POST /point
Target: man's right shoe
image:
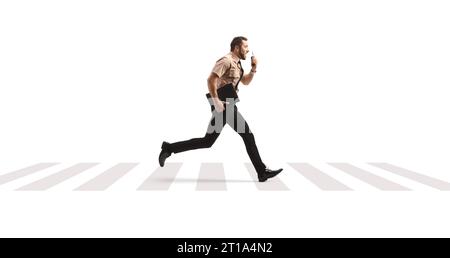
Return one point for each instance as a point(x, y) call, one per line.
point(165, 153)
point(268, 173)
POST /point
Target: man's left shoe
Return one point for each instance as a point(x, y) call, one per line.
point(165, 153)
point(268, 173)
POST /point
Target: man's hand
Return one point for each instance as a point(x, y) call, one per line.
point(254, 63)
point(218, 104)
point(247, 78)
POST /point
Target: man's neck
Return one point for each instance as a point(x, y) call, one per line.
point(235, 57)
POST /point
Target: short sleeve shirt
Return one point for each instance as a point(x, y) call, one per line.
point(228, 69)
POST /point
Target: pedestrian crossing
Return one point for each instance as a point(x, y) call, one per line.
point(370, 178)
point(88, 176)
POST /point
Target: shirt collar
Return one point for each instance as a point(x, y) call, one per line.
point(235, 58)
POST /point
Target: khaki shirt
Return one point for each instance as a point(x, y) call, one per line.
point(228, 70)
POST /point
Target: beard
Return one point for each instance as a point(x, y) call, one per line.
point(242, 55)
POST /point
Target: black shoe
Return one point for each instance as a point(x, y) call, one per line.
point(165, 153)
point(268, 173)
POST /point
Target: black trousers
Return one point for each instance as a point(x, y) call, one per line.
point(235, 120)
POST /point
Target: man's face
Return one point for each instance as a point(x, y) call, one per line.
point(243, 50)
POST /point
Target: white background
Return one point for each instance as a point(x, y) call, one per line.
point(108, 81)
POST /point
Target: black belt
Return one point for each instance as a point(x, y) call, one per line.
point(226, 92)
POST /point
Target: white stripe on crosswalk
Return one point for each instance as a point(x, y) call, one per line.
point(106, 179)
point(424, 179)
point(162, 178)
point(372, 179)
point(319, 178)
point(211, 177)
point(24, 172)
point(56, 178)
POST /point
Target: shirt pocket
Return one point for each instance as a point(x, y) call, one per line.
point(234, 72)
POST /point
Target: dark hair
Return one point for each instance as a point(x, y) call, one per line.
point(237, 41)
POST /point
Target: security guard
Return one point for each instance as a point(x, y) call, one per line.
point(223, 88)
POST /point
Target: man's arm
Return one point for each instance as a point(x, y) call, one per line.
point(212, 87)
point(212, 84)
point(246, 79)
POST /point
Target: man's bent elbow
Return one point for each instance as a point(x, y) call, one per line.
point(212, 79)
point(245, 81)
